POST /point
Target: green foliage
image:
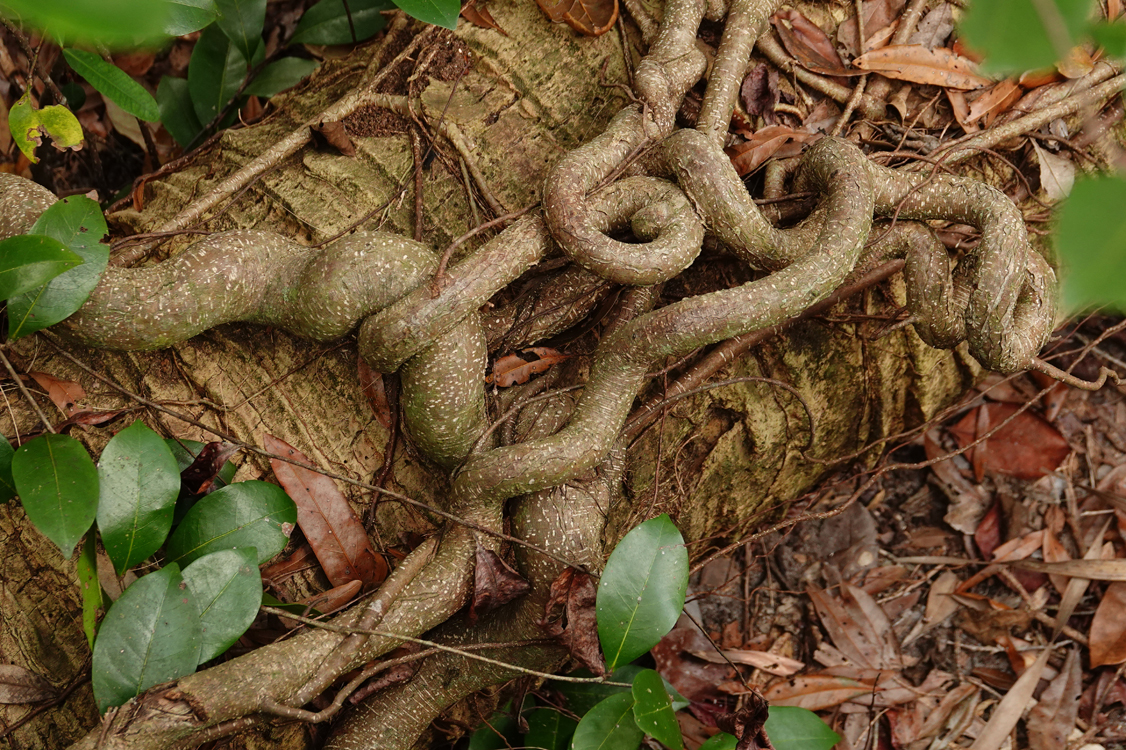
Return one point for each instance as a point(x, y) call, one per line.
point(186, 16)
point(280, 75)
point(793, 728)
point(642, 590)
point(31, 260)
point(327, 22)
point(95, 21)
point(1024, 35)
point(548, 729)
point(58, 485)
point(77, 223)
point(177, 112)
point(114, 84)
point(652, 709)
point(245, 514)
point(29, 125)
point(242, 22)
point(7, 484)
point(139, 484)
point(90, 588)
point(442, 13)
point(609, 726)
point(227, 587)
point(151, 634)
point(215, 73)
point(1092, 240)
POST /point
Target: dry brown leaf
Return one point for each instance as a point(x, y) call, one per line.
point(782, 666)
point(912, 62)
point(880, 19)
point(1019, 548)
point(20, 685)
point(1091, 570)
point(940, 605)
point(957, 705)
point(772, 141)
point(808, 44)
point(372, 384)
point(335, 598)
point(816, 691)
point(479, 15)
point(328, 521)
point(200, 474)
point(994, 101)
point(961, 109)
point(134, 63)
point(1108, 627)
point(570, 617)
point(1052, 549)
point(1028, 447)
point(697, 680)
point(935, 27)
point(1057, 174)
point(1077, 64)
point(858, 628)
point(495, 584)
point(759, 92)
point(590, 17)
point(301, 559)
point(334, 135)
point(748, 724)
point(1051, 720)
point(91, 418)
point(1008, 712)
point(515, 369)
point(65, 394)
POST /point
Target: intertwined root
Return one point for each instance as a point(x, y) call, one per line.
point(1000, 299)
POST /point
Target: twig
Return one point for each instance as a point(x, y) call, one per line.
point(26, 394)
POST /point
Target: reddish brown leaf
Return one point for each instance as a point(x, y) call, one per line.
point(334, 135)
point(769, 142)
point(1108, 627)
point(372, 384)
point(134, 63)
point(301, 559)
point(331, 526)
point(515, 369)
point(880, 20)
point(64, 394)
point(808, 44)
point(994, 101)
point(479, 15)
point(1028, 447)
point(495, 584)
point(569, 616)
point(988, 533)
point(20, 685)
point(201, 473)
point(912, 62)
point(759, 92)
point(1051, 720)
point(816, 691)
point(697, 680)
point(335, 598)
point(748, 724)
point(91, 418)
point(590, 17)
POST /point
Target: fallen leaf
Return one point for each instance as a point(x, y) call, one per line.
point(335, 135)
point(935, 27)
point(759, 92)
point(695, 679)
point(479, 15)
point(1028, 447)
point(748, 724)
point(808, 44)
point(198, 477)
point(569, 616)
point(1052, 719)
point(91, 418)
point(21, 685)
point(958, 702)
point(302, 558)
point(1057, 174)
point(988, 533)
point(1108, 627)
point(590, 17)
point(134, 63)
point(766, 143)
point(1077, 64)
point(879, 17)
point(994, 101)
point(63, 393)
point(774, 664)
point(816, 691)
point(372, 384)
point(334, 599)
point(330, 525)
point(1008, 712)
point(515, 369)
point(912, 62)
point(961, 109)
point(858, 628)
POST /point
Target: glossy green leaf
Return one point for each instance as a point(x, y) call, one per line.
point(652, 709)
point(29, 126)
point(1091, 239)
point(297, 608)
point(242, 22)
point(609, 726)
point(548, 729)
point(150, 635)
point(583, 696)
point(244, 514)
point(215, 73)
point(31, 260)
point(442, 13)
point(722, 741)
point(177, 113)
point(186, 16)
point(1020, 35)
point(58, 485)
point(93, 21)
point(77, 222)
point(641, 593)
point(139, 484)
point(498, 733)
point(227, 588)
point(327, 22)
point(7, 484)
point(279, 76)
point(90, 588)
point(793, 728)
point(1111, 37)
point(114, 84)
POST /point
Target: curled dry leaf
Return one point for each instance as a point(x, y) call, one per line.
point(478, 14)
point(198, 477)
point(880, 20)
point(372, 384)
point(515, 369)
point(570, 617)
point(808, 44)
point(21, 685)
point(64, 394)
point(335, 136)
point(773, 141)
point(331, 526)
point(774, 664)
point(912, 62)
point(817, 691)
point(1057, 174)
point(590, 17)
point(994, 101)
point(495, 584)
point(748, 724)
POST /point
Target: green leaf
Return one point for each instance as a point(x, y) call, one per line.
point(58, 485)
point(28, 125)
point(793, 728)
point(139, 484)
point(176, 110)
point(1015, 37)
point(652, 709)
point(549, 729)
point(297, 608)
point(242, 22)
point(228, 589)
point(91, 589)
point(150, 635)
point(1092, 243)
point(31, 260)
point(327, 22)
point(186, 16)
point(77, 222)
point(609, 726)
point(215, 72)
point(499, 733)
point(279, 76)
point(442, 13)
point(1111, 37)
point(642, 590)
point(583, 696)
point(113, 83)
point(244, 514)
point(7, 484)
point(722, 741)
point(93, 21)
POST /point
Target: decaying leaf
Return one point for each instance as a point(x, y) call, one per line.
point(331, 526)
point(495, 584)
point(514, 369)
point(748, 724)
point(590, 17)
point(201, 473)
point(569, 616)
point(334, 135)
point(64, 394)
point(808, 43)
point(817, 691)
point(782, 666)
point(1051, 720)
point(1057, 174)
point(912, 62)
point(1028, 447)
point(372, 384)
point(880, 20)
point(91, 418)
point(20, 685)
point(1108, 628)
point(995, 101)
point(478, 14)
point(773, 141)
point(759, 92)
point(935, 27)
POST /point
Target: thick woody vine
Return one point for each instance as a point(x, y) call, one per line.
point(676, 187)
